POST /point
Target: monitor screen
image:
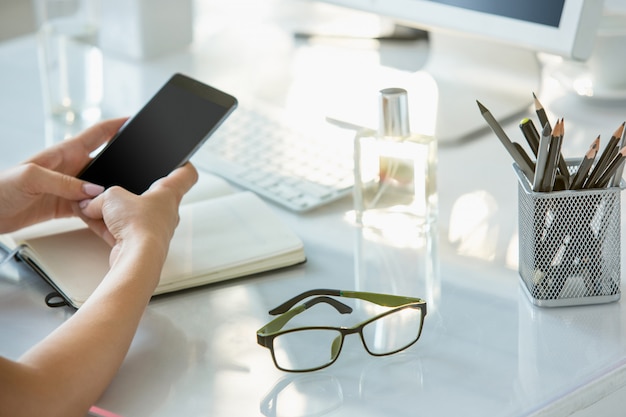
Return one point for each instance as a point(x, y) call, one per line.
point(564, 27)
point(544, 12)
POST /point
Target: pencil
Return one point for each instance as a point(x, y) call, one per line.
point(508, 144)
point(620, 170)
point(553, 158)
point(617, 161)
point(541, 113)
point(607, 155)
point(619, 132)
point(526, 158)
point(542, 157)
point(530, 133)
point(583, 169)
point(562, 164)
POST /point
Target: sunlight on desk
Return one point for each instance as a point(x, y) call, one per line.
point(474, 231)
point(471, 227)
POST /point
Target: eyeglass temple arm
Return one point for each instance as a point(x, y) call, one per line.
point(293, 301)
point(280, 321)
point(380, 299)
point(338, 305)
point(386, 300)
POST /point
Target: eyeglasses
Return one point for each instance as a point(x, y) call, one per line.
point(310, 348)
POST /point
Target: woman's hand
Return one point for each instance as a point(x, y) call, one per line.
point(123, 218)
point(45, 186)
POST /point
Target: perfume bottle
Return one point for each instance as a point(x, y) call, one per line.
point(395, 171)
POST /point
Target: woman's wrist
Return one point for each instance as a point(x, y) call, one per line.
point(142, 255)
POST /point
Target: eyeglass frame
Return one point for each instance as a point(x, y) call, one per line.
point(287, 311)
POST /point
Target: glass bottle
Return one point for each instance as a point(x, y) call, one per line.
point(395, 171)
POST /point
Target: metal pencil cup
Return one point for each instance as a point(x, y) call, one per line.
point(569, 244)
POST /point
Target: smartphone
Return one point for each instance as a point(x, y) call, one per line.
point(162, 136)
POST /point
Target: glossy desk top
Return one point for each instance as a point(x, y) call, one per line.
point(485, 349)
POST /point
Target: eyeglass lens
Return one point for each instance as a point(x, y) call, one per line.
point(306, 349)
point(392, 332)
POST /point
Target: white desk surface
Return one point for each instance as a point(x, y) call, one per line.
point(485, 350)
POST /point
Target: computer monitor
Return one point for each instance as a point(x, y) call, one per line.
point(487, 50)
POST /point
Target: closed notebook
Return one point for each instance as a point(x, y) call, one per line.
point(221, 235)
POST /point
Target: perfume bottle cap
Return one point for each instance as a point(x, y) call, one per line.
point(394, 112)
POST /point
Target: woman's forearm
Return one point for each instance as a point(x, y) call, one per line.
point(71, 367)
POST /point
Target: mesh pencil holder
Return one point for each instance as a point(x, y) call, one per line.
point(569, 244)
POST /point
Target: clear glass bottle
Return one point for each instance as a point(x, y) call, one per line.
point(395, 171)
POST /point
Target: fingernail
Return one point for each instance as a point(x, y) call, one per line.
point(92, 189)
point(83, 204)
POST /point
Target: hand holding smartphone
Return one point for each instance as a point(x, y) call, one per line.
point(162, 136)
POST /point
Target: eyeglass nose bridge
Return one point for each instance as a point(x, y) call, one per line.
point(338, 341)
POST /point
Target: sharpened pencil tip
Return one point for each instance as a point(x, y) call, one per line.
point(482, 108)
point(593, 149)
point(538, 105)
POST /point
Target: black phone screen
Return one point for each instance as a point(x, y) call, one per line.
point(162, 136)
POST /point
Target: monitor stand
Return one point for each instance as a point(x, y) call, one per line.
point(442, 95)
point(502, 77)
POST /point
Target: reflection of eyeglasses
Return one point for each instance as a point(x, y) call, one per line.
point(311, 348)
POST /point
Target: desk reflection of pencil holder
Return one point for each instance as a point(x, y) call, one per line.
point(569, 244)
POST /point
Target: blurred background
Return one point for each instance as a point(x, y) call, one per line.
point(16, 18)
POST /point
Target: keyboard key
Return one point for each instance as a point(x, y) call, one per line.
point(256, 149)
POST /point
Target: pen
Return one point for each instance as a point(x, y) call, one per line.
point(361, 130)
point(530, 133)
point(508, 144)
point(541, 113)
point(617, 161)
point(585, 165)
point(542, 158)
point(620, 170)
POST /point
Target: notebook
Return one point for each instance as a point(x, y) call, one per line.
point(222, 234)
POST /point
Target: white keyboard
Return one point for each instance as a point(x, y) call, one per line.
point(256, 148)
